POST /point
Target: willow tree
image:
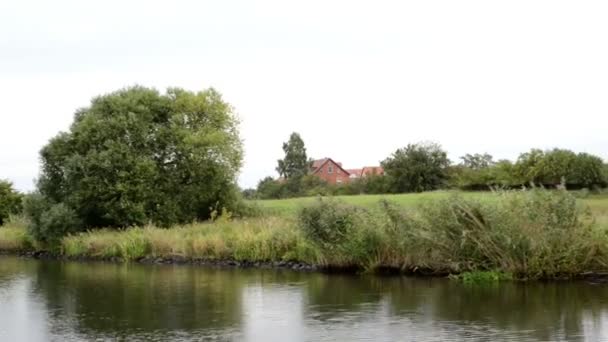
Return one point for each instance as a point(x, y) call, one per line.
point(136, 156)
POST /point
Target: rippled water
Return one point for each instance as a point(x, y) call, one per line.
point(56, 301)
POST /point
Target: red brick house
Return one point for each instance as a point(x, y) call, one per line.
point(330, 171)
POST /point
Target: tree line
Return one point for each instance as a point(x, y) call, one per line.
point(425, 166)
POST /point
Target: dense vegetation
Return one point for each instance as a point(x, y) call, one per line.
point(10, 201)
point(529, 234)
point(137, 156)
point(425, 166)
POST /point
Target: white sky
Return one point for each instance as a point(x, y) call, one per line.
point(357, 79)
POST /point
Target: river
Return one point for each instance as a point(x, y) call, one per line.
point(70, 301)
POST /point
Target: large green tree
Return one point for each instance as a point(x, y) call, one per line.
point(417, 167)
point(10, 200)
point(136, 156)
point(295, 164)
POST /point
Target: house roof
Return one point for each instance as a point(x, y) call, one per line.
point(372, 170)
point(355, 172)
point(318, 164)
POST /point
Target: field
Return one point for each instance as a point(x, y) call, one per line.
point(598, 203)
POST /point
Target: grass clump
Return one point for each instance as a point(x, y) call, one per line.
point(344, 235)
point(15, 239)
point(257, 239)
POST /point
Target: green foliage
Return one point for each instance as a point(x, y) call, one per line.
point(249, 194)
point(344, 235)
point(269, 188)
point(477, 161)
point(251, 240)
point(50, 221)
point(328, 223)
point(370, 184)
point(548, 168)
point(295, 163)
point(308, 185)
point(137, 156)
point(14, 238)
point(559, 166)
point(417, 168)
point(529, 234)
point(537, 233)
point(10, 201)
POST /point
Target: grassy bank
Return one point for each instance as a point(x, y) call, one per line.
point(530, 235)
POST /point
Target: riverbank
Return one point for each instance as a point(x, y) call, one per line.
point(527, 235)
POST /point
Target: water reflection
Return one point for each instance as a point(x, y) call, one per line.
point(50, 300)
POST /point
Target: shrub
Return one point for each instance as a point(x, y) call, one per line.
point(10, 201)
point(49, 222)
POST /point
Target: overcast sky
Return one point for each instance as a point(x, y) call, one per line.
point(357, 79)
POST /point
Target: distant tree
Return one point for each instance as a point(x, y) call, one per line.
point(526, 168)
point(477, 161)
point(295, 163)
point(269, 188)
point(555, 166)
point(249, 194)
point(502, 174)
point(10, 200)
point(590, 171)
point(136, 156)
point(417, 167)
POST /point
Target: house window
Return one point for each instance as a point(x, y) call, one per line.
point(330, 169)
point(339, 181)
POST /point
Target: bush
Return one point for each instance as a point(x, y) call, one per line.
point(10, 201)
point(48, 221)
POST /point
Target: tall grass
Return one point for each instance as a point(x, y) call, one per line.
point(258, 239)
point(13, 236)
point(530, 234)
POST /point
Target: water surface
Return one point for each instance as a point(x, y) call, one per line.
point(65, 301)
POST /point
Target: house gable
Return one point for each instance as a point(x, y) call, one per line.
point(330, 171)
